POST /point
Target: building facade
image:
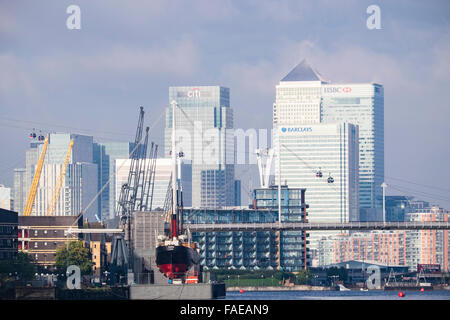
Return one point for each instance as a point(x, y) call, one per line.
point(5, 197)
point(303, 98)
point(428, 246)
point(235, 250)
point(105, 155)
point(361, 104)
point(80, 183)
point(294, 251)
point(163, 169)
point(20, 197)
point(8, 235)
point(204, 129)
point(306, 150)
point(41, 236)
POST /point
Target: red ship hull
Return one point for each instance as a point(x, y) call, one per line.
point(175, 261)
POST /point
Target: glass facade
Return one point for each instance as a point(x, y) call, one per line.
point(80, 183)
point(204, 133)
point(293, 244)
point(236, 250)
point(285, 250)
point(105, 155)
point(162, 178)
point(363, 105)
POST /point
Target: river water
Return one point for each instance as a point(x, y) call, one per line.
point(338, 295)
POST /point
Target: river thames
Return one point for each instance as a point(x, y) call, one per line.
point(338, 295)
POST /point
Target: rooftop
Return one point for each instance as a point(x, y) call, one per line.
point(303, 72)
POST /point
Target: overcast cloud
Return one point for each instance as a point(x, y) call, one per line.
point(128, 53)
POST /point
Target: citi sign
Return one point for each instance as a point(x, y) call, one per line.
point(194, 93)
point(337, 90)
point(297, 129)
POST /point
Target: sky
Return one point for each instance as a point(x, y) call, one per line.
point(127, 54)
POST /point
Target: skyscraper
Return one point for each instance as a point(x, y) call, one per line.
point(361, 104)
point(204, 123)
point(20, 197)
point(105, 155)
point(80, 183)
point(163, 170)
point(304, 97)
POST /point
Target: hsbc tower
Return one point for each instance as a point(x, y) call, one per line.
point(303, 97)
point(361, 104)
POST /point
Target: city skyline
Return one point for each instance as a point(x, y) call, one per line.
point(52, 89)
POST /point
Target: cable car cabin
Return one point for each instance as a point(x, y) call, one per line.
point(319, 174)
point(330, 180)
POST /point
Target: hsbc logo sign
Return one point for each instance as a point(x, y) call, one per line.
point(337, 89)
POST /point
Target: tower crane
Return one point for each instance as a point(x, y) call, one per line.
point(62, 175)
point(35, 183)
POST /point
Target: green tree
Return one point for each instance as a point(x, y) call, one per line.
point(73, 253)
point(22, 267)
point(303, 277)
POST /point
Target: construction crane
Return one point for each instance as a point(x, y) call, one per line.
point(35, 183)
point(62, 175)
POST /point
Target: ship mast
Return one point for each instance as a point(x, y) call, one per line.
point(173, 221)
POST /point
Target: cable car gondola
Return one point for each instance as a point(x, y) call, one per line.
point(330, 179)
point(319, 174)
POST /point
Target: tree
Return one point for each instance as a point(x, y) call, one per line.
point(303, 277)
point(73, 253)
point(23, 267)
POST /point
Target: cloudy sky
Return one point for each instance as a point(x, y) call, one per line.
point(128, 53)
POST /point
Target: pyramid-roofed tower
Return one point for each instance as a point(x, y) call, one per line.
point(303, 72)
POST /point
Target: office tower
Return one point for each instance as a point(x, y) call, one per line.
point(328, 149)
point(80, 183)
point(204, 134)
point(304, 97)
point(163, 170)
point(361, 104)
point(20, 197)
point(105, 155)
point(298, 97)
point(5, 197)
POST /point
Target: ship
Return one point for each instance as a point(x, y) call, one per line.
point(177, 257)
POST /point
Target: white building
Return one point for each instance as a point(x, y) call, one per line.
point(307, 149)
point(80, 184)
point(20, 197)
point(428, 246)
point(298, 97)
point(304, 97)
point(163, 171)
point(204, 133)
point(5, 197)
point(361, 104)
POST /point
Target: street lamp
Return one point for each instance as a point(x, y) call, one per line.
point(384, 186)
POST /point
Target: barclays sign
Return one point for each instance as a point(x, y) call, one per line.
point(296, 129)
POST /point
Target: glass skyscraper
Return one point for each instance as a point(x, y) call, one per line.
point(361, 104)
point(303, 97)
point(80, 183)
point(105, 155)
point(204, 134)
